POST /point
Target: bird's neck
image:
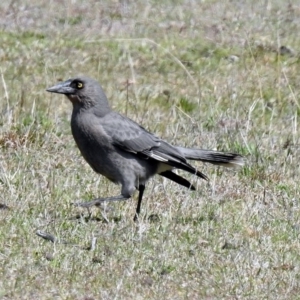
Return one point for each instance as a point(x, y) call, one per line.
point(99, 109)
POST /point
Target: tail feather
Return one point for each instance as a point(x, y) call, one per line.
point(229, 160)
point(178, 179)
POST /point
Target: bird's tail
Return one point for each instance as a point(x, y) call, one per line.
point(229, 160)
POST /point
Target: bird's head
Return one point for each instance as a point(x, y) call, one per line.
point(82, 91)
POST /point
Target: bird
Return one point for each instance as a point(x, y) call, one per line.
point(122, 150)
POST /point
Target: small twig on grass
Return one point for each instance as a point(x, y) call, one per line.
point(6, 97)
point(5, 89)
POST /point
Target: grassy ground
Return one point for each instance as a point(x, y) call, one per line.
point(209, 74)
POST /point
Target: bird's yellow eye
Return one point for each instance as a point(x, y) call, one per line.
point(79, 85)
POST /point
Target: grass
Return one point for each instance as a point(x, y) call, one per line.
point(205, 74)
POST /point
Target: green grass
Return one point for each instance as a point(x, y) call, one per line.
point(168, 65)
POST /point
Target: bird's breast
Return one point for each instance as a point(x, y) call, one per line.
point(94, 145)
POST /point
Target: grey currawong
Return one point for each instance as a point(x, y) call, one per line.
point(122, 150)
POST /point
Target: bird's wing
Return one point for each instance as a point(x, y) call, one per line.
point(131, 137)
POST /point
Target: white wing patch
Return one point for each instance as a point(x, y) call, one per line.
point(157, 157)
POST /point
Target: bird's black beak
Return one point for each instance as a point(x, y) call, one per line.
point(62, 88)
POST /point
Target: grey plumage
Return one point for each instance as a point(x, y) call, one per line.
point(123, 151)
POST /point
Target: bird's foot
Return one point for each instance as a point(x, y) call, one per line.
point(96, 202)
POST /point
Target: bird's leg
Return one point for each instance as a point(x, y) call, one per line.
point(98, 201)
point(138, 208)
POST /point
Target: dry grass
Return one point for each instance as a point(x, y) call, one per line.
point(202, 73)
